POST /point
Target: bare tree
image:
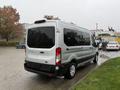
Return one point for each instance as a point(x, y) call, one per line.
point(111, 29)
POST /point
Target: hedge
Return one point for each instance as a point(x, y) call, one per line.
point(10, 43)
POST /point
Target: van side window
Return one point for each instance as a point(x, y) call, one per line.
point(76, 38)
point(86, 38)
point(70, 37)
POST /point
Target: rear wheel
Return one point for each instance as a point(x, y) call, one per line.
point(71, 71)
point(95, 59)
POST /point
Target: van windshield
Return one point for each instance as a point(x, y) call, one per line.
point(41, 37)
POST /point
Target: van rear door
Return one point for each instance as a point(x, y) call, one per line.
point(41, 45)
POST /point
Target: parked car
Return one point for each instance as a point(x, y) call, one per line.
point(57, 48)
point(20, 46)
point(113, 45)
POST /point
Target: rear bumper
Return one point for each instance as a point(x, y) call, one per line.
point(45, 69)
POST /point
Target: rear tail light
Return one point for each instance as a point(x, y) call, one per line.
point(58, 56)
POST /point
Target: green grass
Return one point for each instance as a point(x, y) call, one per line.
point(106, 77)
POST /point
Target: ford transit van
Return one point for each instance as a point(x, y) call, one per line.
point(54, 47)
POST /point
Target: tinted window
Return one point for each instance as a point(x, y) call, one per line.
point(76, 38)
point(70, 37)
point(86, 37)
point(41, 37)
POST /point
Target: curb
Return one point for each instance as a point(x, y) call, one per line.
point(71, 88)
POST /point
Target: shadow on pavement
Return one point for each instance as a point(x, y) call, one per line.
point(54, 83)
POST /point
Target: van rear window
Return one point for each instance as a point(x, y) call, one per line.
point(41, 37)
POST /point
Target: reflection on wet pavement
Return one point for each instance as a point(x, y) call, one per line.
point(14, 77)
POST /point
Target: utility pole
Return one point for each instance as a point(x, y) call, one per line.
point(96, 26)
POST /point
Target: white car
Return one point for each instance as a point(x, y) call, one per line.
point(54, 47)
point(112, 45)
point(100, 46)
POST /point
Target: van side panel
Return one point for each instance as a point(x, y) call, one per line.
point(80, 53)
point(34, 55)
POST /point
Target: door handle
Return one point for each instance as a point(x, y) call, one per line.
point(42, 52)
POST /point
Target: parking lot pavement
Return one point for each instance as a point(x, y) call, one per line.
point(14, 77)
point(106, 55)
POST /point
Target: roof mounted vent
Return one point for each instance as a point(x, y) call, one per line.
point(40, 21)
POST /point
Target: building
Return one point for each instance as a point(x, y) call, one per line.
point(117, 36)
point(106, 35)
point(25, 25)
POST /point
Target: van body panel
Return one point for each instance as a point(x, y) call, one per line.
point(74, 52)
point(35, 55)
point(41, 55)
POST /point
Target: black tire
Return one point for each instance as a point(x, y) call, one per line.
point(71, 74)
point(95, 59)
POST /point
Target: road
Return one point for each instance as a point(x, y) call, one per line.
point(14, 77)
point(106, 55)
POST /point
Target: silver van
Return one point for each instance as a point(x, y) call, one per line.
point(54, 47)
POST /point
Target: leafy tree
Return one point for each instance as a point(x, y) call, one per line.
point(9, 23)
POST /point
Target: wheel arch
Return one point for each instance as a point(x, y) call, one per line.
point(74, 60)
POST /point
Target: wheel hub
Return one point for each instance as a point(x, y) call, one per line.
point(72, 70)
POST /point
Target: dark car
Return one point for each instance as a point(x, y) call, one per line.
point(20, 46)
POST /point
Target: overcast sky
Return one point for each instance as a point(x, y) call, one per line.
point(85, 13)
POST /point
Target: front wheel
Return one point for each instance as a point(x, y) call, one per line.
point(95, 59)
point(71, 71)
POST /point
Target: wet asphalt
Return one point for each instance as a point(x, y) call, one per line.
point(14, 77)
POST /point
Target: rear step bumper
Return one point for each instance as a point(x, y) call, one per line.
point(38, 72)
point(45, 69)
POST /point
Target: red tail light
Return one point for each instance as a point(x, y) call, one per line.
point(58, 56)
